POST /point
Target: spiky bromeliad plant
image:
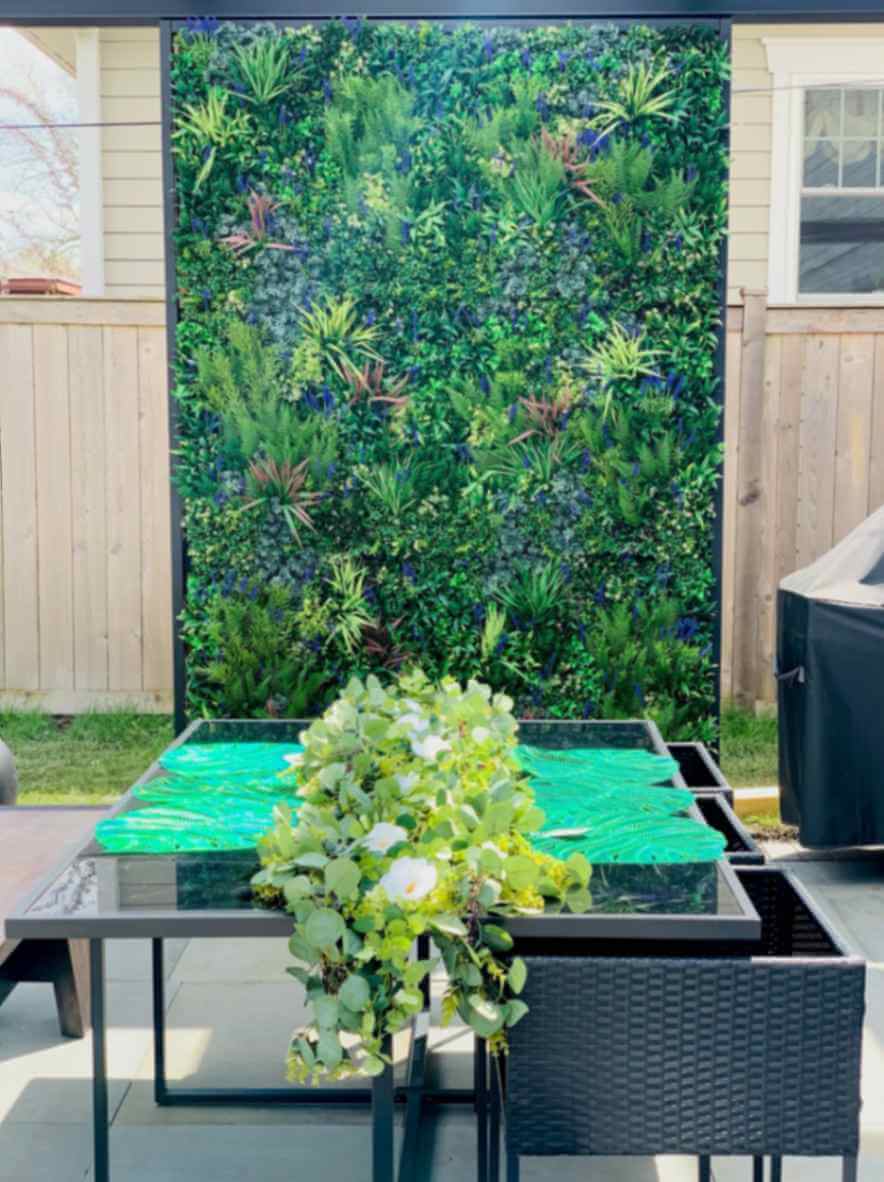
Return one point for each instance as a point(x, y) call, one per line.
point(415, 821)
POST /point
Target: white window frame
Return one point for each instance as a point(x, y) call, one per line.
point(796, 63)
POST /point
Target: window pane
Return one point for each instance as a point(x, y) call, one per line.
point(859, 167)
point(820, 163)
point(822, 113)
point(842, 244)
point(861, 113)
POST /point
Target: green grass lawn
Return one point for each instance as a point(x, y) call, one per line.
point(748, 748)
point(94, 757)
point(83, 760)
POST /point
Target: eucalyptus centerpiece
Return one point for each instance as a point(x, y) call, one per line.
point(415, 821)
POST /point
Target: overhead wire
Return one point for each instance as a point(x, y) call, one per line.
point(850, 84)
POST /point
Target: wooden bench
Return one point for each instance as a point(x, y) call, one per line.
point(33, 841)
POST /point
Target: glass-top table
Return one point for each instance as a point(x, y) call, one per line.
point(96, 894)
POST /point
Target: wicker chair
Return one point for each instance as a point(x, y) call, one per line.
point(718, 1053)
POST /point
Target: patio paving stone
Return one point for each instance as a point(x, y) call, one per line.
point(231, 1009)
point(44, 1153)
point(129, 960)
point(234, 960)
point(45, 1077)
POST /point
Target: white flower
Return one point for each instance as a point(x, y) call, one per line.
point(383, 836)
point(429, 747)
point(407, 782)
point(294, 758)
point(480, 734)
point(409, 879)
point(413, 722)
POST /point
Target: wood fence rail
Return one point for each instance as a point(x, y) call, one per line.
point(804, 425)
point(85, 611)
point(85, 599)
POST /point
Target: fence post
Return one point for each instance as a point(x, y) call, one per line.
point(748, 562)
point(769, 506)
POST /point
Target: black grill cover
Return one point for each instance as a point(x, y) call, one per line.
point(830, 668)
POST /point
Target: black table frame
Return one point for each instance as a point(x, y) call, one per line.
point(384, 1094)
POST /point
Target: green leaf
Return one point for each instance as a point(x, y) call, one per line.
point(496, 938)
point(325, 1010)
point(311, 859)
point(370, 1065)
point(521, 872)
point(449, 925)
point(306, 1051)
point(517, 975)
point(297, 888)
point(578, 900)
point(485, 1017)
point(301, 950)
point(329, 1050)
point(533, 820)
point(515, 1011)
point(407, 821)
point(342, 876)
point(324, 928)
point(409, 999)
point(580, 866)
point(355, 993)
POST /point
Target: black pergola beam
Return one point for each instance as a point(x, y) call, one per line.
point(151, 12)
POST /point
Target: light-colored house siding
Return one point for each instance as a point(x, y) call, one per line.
point(132, 161)
point(131, 157)
point(751, 147)
point(131, 164)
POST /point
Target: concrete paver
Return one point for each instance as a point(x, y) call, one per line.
point(231, 1009)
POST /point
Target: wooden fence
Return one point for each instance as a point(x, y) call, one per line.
point(804, 425)
point(85, 613)
point(85, 601)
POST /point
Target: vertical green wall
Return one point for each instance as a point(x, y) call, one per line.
point(448, 312)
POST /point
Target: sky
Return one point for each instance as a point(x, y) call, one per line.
point(26, 190)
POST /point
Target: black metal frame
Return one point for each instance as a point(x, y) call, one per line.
point(621, 11)
point(153, 12)
point(383, 1095)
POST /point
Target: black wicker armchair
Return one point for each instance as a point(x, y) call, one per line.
point(719, 1053)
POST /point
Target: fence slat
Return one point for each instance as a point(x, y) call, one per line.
point(788, 422)
point(747, 564)
point(817, 433)
point(54, 541)
point(21, 642)
point(876, 452)
point(156, 571)
point(123, 508)
point(729, 533)
point(88, 507)
point(767, 517)
point(855, 382)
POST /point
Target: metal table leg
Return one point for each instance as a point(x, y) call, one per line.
point(495, 1103)
point(100, 1154)
point(382, 1123)
point(159, 1021)
point(480, 1082)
